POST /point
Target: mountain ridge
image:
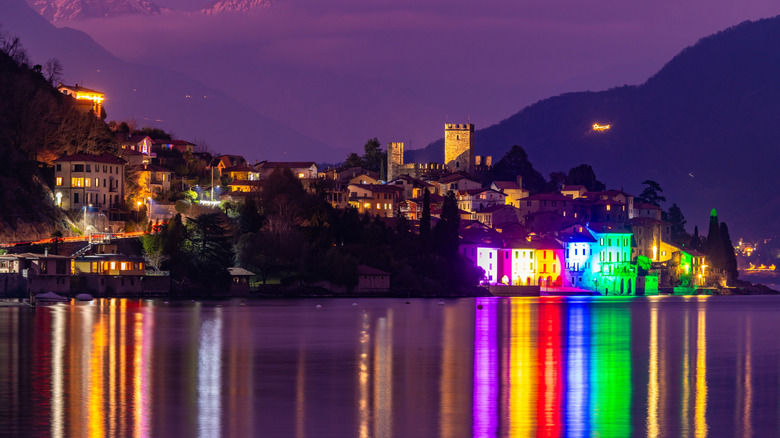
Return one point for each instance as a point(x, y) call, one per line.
point(56, 11)
point(703, 126)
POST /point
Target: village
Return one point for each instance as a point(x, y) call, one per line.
point(570, 241)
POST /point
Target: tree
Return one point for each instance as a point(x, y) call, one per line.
point(425, 221)
point(696, 241)
point(514, 163)
point(677, 221)
point(353, 160)
point(373, 157)
point(715, 248)
point(730, 257)
point(154, 250)
point(585, 176)
point(446, 230)
point(557, 180)
point(53, 71)
point(651, 194)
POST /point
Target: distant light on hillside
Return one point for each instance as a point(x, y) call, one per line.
point(597, 127)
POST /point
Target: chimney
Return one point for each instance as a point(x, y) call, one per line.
point(520, 181)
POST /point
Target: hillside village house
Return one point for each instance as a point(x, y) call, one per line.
point(86, 100)
point(456, 182)
point(182, 146)
point(108, 274)
point(479, 199)
point(85, 180)
point(301, 169)
point(513, 190)
point(374, 199)
point(34, 273)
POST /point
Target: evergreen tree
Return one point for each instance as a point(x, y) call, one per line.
point(514, 163)
point(585, 176)
point(446, 229)
point(715, 248)
point(425, 222)
point(695, 243)
point(730, 257)
point(651, 193)
point(677, 221)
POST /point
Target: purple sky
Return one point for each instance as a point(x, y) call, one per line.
point(343, 71)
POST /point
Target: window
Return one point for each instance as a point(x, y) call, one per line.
point(59, 168)
point(601, 241)
point(59, 180)
point(97, 182)
point(87, 182)
point(78, 167)
point(89, 168)
point(75, 198)
point(104, 169)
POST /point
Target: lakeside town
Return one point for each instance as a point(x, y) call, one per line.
point(569, 236)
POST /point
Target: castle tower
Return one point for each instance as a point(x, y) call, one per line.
point(459, 147)
point(395, 160)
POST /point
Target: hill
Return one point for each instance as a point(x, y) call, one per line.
point(705, 127)
point(158, 96)
point(32, 113)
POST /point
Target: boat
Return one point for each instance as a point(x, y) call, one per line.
point(84, 297)
point(50, 297)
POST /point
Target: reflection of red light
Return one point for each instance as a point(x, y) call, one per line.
point(551, 387)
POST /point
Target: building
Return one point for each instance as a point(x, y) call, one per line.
point(181, 146)
point(395, 160)
point(110, 274)
point(476, 200)
point(28, 273)
point(372, 279)
point(374, 199)
point(459, 147)
point(652, 237)
point(499, 214)
point(85, 180)
point(513, 190)
point(301, 169)
point(550, 202)
point(86, 100)
point(156, 180)
point(455, 182)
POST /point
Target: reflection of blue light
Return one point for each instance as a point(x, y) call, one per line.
point(577, 372)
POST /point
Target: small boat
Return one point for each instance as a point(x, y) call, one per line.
point(84, 297)
point(50, 297)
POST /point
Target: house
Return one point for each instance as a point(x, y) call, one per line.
point(455, 182)
point(601, 209)
point(553, 202)
point(356, 175)
point(513, 190)
point(573, 191)
point(86, 99)
point(154, 179)
point(473, 235)
point(244, 186)
point(689, 268)
point(647, 210)
point(475, 200)
point(181, 146)
point(224, 161)
point(498, 214)
point(110, 274)
point(545, 221)
point(652, 237)
point(85, 180)
point(413, 187)
point(611, 271)
point(241, 172)
point(578, 245)
point(372, 279)
point(239, 281)
point(28, 273)
point(134, 158)
point(374, 199)
point(301, 169)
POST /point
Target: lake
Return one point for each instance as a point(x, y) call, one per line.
point(516, 367)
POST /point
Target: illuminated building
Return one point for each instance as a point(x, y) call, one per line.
point(459, 147)
point(497, 215)
point(475, 200)
point(689, 269)
point(86, 99)
point(395, 160)
point(610, 271)
point(374, 199)
point(85, 180)
point(456, 182)
point(578, 243)
point(549, 202)
point(305, 170)
point(513, 190)
point(111, 273)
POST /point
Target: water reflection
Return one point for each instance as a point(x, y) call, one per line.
point(486, 367)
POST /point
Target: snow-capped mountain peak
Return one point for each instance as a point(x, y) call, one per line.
point(67, 10)
point(243, 6)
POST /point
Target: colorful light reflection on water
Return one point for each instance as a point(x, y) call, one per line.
point(661, 366)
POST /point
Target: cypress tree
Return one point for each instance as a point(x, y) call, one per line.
point(715, 249)
point(695, 243)
point(730, 257)
point(425, 221)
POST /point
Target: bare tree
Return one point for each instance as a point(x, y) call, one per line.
point(53, 70)
point(12, 46)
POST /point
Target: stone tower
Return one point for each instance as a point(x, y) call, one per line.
point(395, 160)
point(459, 147)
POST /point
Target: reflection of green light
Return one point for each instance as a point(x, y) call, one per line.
point(610, 372)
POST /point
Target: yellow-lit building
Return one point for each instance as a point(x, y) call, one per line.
point(110, 274)
point(85, 180)
point(86, 99)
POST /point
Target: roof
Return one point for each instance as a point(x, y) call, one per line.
point(130, 152)
point(644, 206)
point(573, 187)
point(240, 272)
point(137, 138)
point(455, 177)
point(29, 255)
point(78, 88)
point(290, 164)
point(495, 208)
point(368, 270)
point(546, 197)
point(507, 185)
point(414, 181)
point(607, 228)
point(150, 168)
point(377, 187)
point(577, 237)
point(239, 168)
point(645, 221)
point(102, 158)
point(110, 257)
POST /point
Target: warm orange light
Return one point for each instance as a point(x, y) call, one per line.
point(597, 127)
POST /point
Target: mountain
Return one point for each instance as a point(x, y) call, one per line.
point(243, 6)
point(68, 10)
point(704, 127)
point(159, 97)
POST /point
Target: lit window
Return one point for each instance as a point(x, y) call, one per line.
point(97, 182)
point(113, 265)
point(123, 266)
point(59, 180)
point(87, 182)
point(300, 175)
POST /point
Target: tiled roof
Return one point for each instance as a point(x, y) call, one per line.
point(546, 197)
point(239, 168)
point(643, 206)
point(368, 270)
point(495, 208)
point(607, 228)
point(290, 164)
point(455, 177)
point(89, 158)
point(507, 185)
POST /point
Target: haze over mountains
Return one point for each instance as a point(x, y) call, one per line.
point(70, 10)
point(705, 127)
point(157, 96)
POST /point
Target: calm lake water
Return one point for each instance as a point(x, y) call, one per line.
point(664, 366)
